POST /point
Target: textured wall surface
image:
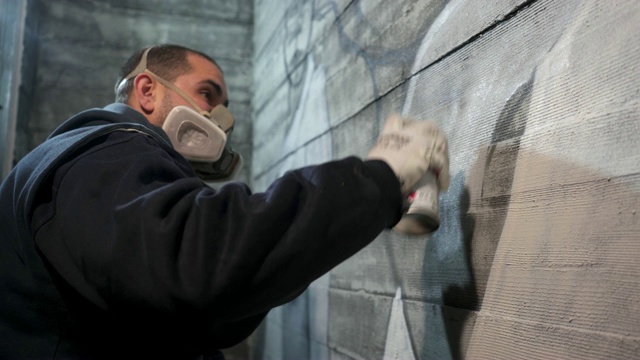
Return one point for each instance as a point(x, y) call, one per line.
point(537, 255)
point(81, 45)
point(12, 22)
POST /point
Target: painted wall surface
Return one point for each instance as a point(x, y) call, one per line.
point(537, 254)
point(80, 46)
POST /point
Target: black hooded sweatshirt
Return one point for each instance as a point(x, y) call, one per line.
point(111, 246)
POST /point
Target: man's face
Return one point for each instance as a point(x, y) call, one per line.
point(204, 84)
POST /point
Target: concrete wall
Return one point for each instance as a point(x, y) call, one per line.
point(82, 44)
point(537, 255)
point(12, 29)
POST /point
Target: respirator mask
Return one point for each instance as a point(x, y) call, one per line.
point(200, 136)
point(203, 141)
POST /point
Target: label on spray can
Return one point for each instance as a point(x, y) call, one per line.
point(423, 214)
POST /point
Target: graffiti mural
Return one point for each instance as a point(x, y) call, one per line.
point(490, 81)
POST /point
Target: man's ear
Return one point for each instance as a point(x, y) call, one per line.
point(144, 91)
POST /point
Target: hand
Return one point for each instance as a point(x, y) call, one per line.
point(411, 148)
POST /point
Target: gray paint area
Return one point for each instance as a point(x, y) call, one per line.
point(537, 253)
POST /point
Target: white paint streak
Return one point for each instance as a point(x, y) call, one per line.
point(398, 345)
point(425, 46)
point(319, 318)
point(311, 119)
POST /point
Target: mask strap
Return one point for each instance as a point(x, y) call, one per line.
point(142, 67)
point(179, 92)
point(139, 69)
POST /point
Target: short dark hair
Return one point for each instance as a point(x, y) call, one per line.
point(165, 60)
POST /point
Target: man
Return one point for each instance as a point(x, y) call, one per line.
point(112, 246)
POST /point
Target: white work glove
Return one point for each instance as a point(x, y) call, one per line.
point(411, 148)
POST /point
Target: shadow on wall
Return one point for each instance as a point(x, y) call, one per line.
point(567, 262)
point(472, 228)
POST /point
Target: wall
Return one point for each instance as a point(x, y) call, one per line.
point(82, 44)
point(537, 253)
point(12, 24)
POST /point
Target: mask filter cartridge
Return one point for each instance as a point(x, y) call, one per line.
point(194, 136)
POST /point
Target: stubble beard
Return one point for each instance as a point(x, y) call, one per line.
point(166, 107)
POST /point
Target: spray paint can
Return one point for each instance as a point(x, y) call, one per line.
point(423, 214)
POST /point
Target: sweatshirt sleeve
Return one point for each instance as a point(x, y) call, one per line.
point(127, 226)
